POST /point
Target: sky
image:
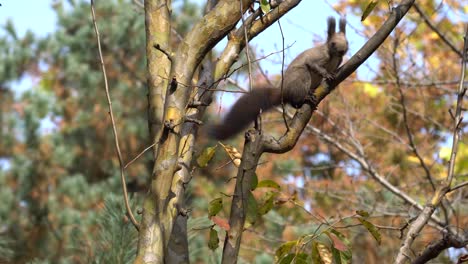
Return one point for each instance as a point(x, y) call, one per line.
point(302, 25)
point(299, 26)
point(35, 15)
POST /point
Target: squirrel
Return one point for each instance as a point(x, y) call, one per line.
point(303, 75)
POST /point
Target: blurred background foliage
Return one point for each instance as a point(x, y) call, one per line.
point(59, 174)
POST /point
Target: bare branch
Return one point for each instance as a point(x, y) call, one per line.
point(461, 185)
point(168, 55)
point(282, 77)
point(139, 155)
point(409, 134)
point(435, 248)
point(421, 220)
point(236, 44)
point(442, 36)
point(366, 165)
point(114, 129)
point(247, 48)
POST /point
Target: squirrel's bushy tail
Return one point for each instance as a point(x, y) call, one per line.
point(245, 110)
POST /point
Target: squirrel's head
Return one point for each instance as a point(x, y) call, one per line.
point(336, 41)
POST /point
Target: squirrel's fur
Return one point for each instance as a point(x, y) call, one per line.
point(302, 77)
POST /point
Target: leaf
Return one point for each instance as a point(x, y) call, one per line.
point(346, 255)
point(285, 248)
point(268, 204)
point(252, 209)
point(213, 243)
point(265, 6)
point(221, 222)
point(287, 259)
point(336, 255)
point(233, 153)
point(362, 213)
point(206, 156)
point(372, 229)
point(269, 184)
point(254, 182)
point(10, 28)
point(316, 258)
point(300, 258)
point(325, 253)
point(444, 153)
point(215, 206)
point(369, 9)
point(337, 243)
point(371, 90)
point(324, 239)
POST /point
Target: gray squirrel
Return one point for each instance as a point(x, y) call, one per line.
point(302, 77)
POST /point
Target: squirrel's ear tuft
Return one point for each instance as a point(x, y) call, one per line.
point(343, 25)
point(331, 27)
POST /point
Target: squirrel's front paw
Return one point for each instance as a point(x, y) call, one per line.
point(329, 76)
point(311, 99)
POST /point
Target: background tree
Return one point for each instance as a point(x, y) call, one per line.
point(361, 173)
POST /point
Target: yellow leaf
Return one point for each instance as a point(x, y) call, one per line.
point(206, 156)
point(434, 61)
point(371, 90)
point(444, 153)
point(233, 153)
point(433, 36)
point(414, 159)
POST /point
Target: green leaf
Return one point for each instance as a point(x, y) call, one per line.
point(265, 6)
point(268, 204)
point(300, 258)
point(287, 259)
point(254, 182)
point(336, 255)
point(269, 184)
point(206, 156)
point(10, 28)
point(369, 9)
point(372, 229)
point(285, 248)
point(213, 243)
point(362, 213)
point(215, 206)
point(325, 240)
point(252, 209)
point(316, 258)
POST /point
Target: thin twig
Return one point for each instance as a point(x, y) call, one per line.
point(458, 113)
point(227, 76)
point(405, 116)
point(436, 30)
point(461, 185)
point(168, 55)
point(139, 155)
point(111, 114)
point(366, 166)
point(282, 78)
point(247, 48)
